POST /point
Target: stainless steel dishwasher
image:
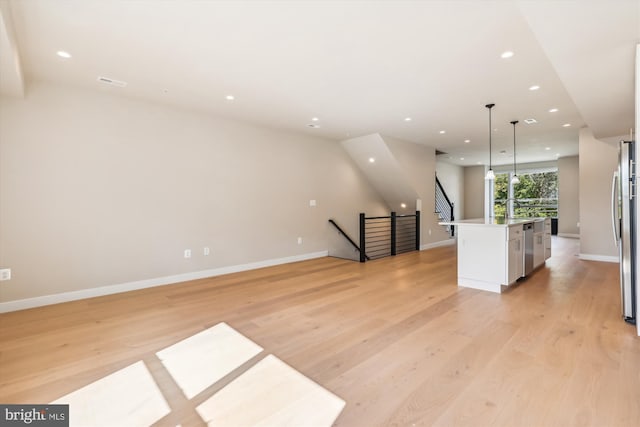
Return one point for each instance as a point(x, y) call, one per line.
point(528, 248)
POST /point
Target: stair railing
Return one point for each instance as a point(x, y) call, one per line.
point(357, 248)
point(444, 206)
point(382, 236)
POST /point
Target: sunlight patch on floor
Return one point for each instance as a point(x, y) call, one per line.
point(128, 397)
point(271, 393)
point(199, 361)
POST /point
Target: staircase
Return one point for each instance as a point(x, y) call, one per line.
point(444, 207)
point(402, 173)
point(383, 236)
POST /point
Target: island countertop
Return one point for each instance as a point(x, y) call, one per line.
point(502, 222)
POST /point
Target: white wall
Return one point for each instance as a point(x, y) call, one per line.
point(418, 162)
point(637, 179)
point(452, 179)
point(97, 190)
point(474, 192)
point(403, 172)
point(385, 174)
point(597, 162)
point(568, 196)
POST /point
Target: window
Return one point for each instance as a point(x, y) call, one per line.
point(535, 196)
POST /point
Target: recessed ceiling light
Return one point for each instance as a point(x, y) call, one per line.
point(547, 148)
point(443, 132)
point(507, 54)
point(372, 160)
point(407, 119)
point(534, 87)
point(566, 125)
point(553, 110)
point(403, 205)
point(314, 119)
point(229, 97)
point(530, 121)
point(461, 158)
point(466, 141)
point(63, 54)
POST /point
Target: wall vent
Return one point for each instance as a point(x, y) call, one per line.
point(112, 82)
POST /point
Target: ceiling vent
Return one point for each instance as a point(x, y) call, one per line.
point(313, 125)
point(112, 82)
point(439, 153)
point(530, 121)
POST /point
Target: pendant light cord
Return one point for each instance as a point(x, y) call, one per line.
point(514, 146)
point(490, 106)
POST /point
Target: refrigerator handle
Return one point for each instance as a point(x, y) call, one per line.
point(614, 208)
point(632, 179)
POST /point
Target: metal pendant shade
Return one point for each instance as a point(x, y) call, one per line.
point(490, 175)
point(515, 179)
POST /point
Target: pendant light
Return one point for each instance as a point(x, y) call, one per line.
point(490, 174)
point(515, 179)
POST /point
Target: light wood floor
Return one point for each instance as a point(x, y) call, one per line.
point(395, 338)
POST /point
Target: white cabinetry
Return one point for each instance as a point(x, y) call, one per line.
point(515, 254)
point(482, 256)
point(547, 238)
point(491, 252)
point(538, 243)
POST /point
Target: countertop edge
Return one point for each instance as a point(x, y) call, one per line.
point(483, 222)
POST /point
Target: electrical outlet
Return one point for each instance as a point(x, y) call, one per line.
point(5, 274)
point(206, 251)
point(312, 203)
point(299, 240)
point(187, 253)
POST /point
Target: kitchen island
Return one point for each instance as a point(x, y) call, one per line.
point(494, 253)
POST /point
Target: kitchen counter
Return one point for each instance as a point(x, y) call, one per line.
point(494, 253)
point(494, 221)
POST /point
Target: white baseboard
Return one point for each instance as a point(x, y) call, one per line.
point(23, 304)
point(437, 244)
point(603, 258)
point(571, 236)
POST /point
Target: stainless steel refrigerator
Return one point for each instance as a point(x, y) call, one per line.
point(624, 191)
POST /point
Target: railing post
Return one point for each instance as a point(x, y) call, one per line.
point(452, 219)
point(393, 233)
point(362, 238)
point(417, 230)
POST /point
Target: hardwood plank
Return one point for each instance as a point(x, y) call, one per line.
point(395, 338)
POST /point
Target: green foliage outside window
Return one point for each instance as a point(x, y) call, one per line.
point(536, 194)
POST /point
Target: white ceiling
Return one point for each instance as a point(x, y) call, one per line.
point(361, 67)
